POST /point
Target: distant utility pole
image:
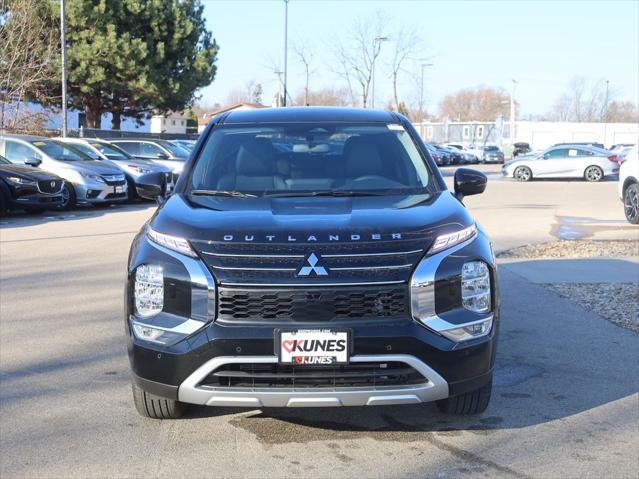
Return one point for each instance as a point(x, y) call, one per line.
point(605, 118)
point(285, 50)
point(421, 91)
point(63, 49)
point(512, 112)
point(380, 40)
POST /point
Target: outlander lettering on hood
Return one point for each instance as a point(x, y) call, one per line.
point(311, 238)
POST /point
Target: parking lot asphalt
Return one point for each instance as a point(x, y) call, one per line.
point(565, 403)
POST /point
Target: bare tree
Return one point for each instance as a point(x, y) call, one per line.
point(591, 101)
point(325, 97)
point(407, 45)
point(480, 103)
point(29, 48)
point(357, 53)
point(250, 93)
point(305, 55)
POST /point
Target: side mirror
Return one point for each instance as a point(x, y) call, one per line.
point(35, 162)
point(162, 156)
point(150, 191)
point(469, 182)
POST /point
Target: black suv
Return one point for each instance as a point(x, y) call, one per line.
point(312, 257)
point(27, 188)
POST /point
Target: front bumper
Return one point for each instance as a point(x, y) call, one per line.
point(177, 370)
point(95, 192)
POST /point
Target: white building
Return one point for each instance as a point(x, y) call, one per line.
point(169, 123)
point(539, 134)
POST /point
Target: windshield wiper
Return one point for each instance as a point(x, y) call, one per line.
point(337, 193)
point(236, 194)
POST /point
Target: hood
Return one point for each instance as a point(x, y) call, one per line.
point(92, 166)
point(26, 172)
point(270, 240)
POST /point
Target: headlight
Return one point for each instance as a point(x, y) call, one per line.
point(172, 242)
point(475, 287)
point(89, 176)
point(137, 169)
point(149, 290)
point(446, 241)
point(16, 180)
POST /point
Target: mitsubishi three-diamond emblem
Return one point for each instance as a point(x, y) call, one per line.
point(312, 267)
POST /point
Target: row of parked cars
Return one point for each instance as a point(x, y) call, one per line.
point(38, 173)
point(456, 154)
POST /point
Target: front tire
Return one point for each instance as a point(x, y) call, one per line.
point(156, 407)
point(631, 204)
point(593, 174)
point(522, 173)
point(473, 402)
point(68, 198)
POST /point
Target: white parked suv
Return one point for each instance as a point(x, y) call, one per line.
point(629, 185)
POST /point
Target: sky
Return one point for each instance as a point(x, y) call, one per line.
point(542, 44)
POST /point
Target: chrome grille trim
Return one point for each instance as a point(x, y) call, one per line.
point(366, 255)
point(276, 256)
point(240, 268)
point(304, 285)
point(367, 268)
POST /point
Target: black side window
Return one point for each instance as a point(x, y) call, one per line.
point(17, 152)
point(557, 153)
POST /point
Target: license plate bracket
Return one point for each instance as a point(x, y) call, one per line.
point(313, 347)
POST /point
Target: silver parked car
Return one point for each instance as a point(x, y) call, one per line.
point(141, 176)
point(87, 181)
point(565, 161)
point(161, 152)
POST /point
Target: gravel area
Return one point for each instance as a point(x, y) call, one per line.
point(575, 249)
point(618, 302)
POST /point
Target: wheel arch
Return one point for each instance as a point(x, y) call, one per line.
point(627, 182)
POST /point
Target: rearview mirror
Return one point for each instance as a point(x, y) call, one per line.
point(35, 162)
point(469, 182)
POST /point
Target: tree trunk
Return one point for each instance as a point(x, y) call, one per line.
point(93, 109)
point(116, 120)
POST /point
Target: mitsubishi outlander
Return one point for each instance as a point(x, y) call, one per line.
point(312, 257)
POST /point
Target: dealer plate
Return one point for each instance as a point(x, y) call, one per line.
point(313, 347)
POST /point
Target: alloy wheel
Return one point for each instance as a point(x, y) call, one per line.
point(631, 204)
point(523, 173)
point(594, 173)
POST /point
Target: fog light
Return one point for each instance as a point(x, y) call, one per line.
point(475, 286)
point(469, 331)
point(149, 290)
point(155, 335)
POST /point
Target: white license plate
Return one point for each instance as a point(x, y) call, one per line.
point(118, 189)
point(313, 347)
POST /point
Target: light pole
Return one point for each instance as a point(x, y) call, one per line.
point(63, 49)
point(421, 90)
point(512, 112)
point(279, 86)
point(375, 53)
point(285, 50)
point(605, 118)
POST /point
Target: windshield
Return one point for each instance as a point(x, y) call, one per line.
point(86, 150)
point(174, 149)
point(59, 151)
point(112, 152)
point(491, 148)
point(4, 161)
point(321, 158)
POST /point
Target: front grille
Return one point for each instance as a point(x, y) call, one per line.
point(50, 186)
point(369, 375)
point(114, 180)
point(311, 304)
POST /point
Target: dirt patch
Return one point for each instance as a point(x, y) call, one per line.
point(575, 249)
point(617, 302)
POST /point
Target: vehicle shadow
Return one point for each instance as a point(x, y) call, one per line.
point(554, 361)
point(19, 219)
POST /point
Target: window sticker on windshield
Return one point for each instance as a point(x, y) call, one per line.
point(572, 152)
point(395, 127)
point(38, 143)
